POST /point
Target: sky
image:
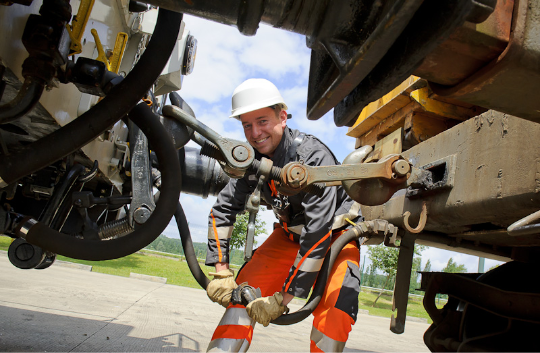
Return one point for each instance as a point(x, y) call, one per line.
point(226, 58)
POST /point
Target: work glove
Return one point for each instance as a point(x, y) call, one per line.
point(220, 289)
point(265, 309)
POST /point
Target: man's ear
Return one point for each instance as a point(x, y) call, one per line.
point(283, 118)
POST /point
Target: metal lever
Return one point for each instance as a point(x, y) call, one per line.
point(236, 154)
point(142, 202)
point(392, 168)
point(357, 178)
point(253, 203)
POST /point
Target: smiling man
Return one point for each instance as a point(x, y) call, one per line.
point(287, 263)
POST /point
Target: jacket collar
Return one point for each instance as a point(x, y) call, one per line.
point(280, 154)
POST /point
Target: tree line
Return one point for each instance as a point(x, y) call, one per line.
point(238, 239)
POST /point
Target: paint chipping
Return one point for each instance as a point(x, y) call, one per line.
point(504, 122)
point(478, 121)
point(537, 177)
point(499, 184)
point(490, 118)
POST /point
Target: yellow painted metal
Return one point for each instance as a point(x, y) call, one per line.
point(387, 98)
point(447, 110)
point(101, 53)
point(377, 111)
point(77, 26)
point(118, 51)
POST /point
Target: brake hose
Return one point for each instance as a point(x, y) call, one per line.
point(121, 99)
point(40, 234)
point(320, 284)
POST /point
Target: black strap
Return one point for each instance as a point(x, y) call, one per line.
point(291, 153)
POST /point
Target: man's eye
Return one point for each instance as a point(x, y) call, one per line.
point(246, 127)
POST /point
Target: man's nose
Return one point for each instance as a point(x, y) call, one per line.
point(255, 131)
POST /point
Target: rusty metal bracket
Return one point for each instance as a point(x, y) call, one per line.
point(421, 223)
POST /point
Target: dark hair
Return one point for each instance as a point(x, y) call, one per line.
point(277, 109)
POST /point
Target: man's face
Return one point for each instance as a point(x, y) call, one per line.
point(263, 129)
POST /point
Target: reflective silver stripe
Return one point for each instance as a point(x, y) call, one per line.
point(236, 316)
point(309, 265)
point(23, 232)
point(223, 232)
point(325, 343)
point(296, 229)
point(339, 221)
point(228, 345)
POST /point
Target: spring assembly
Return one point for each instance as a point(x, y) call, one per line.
point(115, 229)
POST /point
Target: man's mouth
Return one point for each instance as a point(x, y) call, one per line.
point(261, 140)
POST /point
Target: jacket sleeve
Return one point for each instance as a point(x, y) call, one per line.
point(316, 235)
point(230, 201)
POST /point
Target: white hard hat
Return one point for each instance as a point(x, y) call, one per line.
point(253, 94)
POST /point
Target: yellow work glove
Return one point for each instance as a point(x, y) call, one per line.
point(220, 289)
point(265, 309)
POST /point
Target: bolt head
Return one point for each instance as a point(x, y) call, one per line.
point(141, 215)
point(240, 153)
point(401, 168)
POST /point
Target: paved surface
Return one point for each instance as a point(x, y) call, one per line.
point(63, 309)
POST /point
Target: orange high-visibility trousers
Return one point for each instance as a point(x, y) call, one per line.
point(268, 269)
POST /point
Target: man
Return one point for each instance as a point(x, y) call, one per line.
point(287, 263)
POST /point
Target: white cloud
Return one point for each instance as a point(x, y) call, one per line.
point(276, 52)
point(439, 259)
point(225, 58)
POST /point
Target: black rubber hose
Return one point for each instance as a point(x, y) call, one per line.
point(26, 99)
point(122, 98)
point(63, 244)
point(322, 279)
point(318, 290)
point(60, 193)
point(187, 245)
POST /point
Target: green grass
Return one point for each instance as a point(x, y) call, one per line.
point(177, 272)
point(384, 305)
point(4, 242)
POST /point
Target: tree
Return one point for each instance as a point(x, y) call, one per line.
point(427, 267)
point(453, 267)
point(413, 283)
point(239, 233)
point(386, 259)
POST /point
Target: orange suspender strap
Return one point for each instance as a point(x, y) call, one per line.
point(273, 188)
point(220, 254)
point(291, 237)
point(304, 257)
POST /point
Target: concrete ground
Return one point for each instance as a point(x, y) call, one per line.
point(63, 309)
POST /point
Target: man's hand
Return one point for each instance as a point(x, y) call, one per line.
point(220, 289)
point(263, 310)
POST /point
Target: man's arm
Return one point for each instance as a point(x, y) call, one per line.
point(221, 266)
point(287, 297)
point(231, 200)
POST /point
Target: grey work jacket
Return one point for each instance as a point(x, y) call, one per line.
point(307, 218)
